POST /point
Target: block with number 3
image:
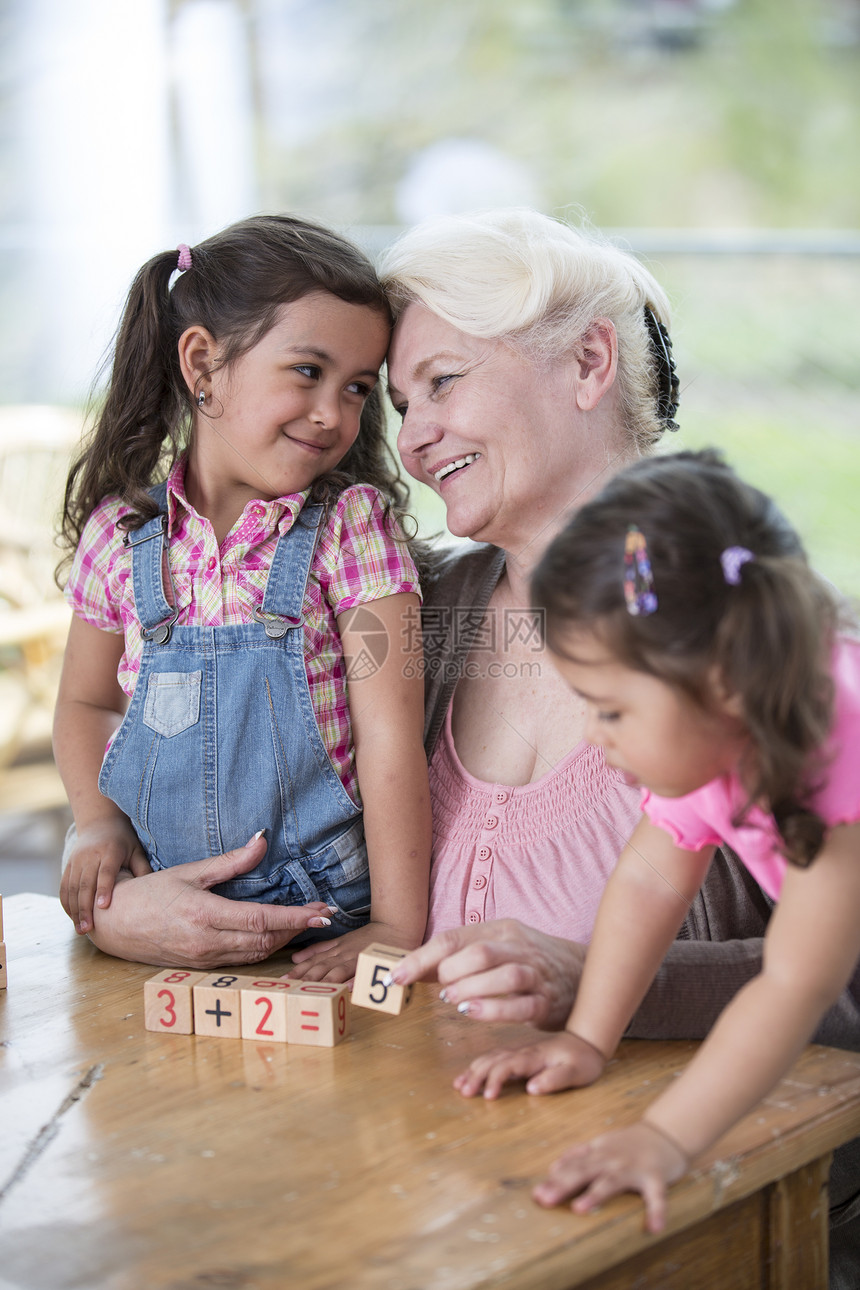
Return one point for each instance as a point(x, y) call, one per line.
point(369, 989)
point(317, 1013)
point(167, 1001)
point(217, 1005)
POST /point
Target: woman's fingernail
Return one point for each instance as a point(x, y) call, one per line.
point(261, 833)
point(443, 995)
point(388, 979)
point(465, 1006)
point(101, 902)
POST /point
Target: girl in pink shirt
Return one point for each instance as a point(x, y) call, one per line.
point(679, 604)
point(244, 643)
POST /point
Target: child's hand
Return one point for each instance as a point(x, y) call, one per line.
point(557, 1062)
point(640, 1159)
point(100, 853)
point(335, 960)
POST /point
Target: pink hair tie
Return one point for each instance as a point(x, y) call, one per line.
point(184, 261)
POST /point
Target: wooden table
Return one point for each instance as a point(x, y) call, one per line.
point(135, 1161)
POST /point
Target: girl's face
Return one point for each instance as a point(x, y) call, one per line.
point(651, 731)
point(288, 410)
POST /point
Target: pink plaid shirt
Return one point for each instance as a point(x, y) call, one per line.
point(356, 561)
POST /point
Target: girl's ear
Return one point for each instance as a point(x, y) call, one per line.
point(727, 701)
point(197, 358)
point(596, 363)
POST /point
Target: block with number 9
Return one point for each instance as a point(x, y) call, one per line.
point(317, 1013)
point(369, 989)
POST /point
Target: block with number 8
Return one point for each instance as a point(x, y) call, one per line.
point(167, 1001)
point(369, 989)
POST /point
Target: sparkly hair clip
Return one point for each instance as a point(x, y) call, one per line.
point(732, 560)
point(184, 261)
point(639, 590)
point(668, 386)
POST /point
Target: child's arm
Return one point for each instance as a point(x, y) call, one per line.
point(387, 714)
point(641, 910)
point(89, 707)
point(811, 948)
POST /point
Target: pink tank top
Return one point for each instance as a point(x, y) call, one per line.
point(538, 852)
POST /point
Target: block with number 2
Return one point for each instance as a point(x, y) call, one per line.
point(369, 989)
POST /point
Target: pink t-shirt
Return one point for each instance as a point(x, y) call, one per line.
point(704, 818)
point(539, 852)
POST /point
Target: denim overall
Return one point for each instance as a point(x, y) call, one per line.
point(220, 740)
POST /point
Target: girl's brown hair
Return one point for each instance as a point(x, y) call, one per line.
point(768, 638)
point(238, 282)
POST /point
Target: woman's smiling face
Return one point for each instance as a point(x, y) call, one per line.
point(493, 433)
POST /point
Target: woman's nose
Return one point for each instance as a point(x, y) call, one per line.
point(416, 434)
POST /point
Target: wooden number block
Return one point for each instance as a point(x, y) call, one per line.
point(217, 1005)
point(317, 1013)
point(264, 1009)
point(369, 990)
point(167, 1001)
point(3, 977)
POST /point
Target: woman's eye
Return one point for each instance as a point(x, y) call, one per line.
point(401, 409)
point(439, 381)
point(308, 369)
point(609, 716)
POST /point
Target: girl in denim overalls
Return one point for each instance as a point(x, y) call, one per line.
point(244, 635)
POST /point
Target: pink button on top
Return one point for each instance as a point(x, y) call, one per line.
point(501, 796)
point(257, 509)
point(491, 821)
point(473, 916)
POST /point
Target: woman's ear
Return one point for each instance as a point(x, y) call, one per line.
point(596, 363)
point(197, 358)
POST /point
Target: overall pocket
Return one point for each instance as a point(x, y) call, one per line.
point(172, 702)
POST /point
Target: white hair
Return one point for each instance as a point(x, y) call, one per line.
point(539, 285)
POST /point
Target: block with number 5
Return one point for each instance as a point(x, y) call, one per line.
point(317, 1013)
point(369, 989)
point(167, 1001)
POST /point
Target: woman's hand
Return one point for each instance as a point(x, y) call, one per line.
point(500, 971)
point(641, 1158)
point(172, 919)
point(561, 1061)
point(100, 853)
point(335, 960)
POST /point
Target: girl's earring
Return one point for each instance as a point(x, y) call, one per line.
point(201, 399)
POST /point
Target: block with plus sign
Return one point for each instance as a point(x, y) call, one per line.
point(264, 1008)
point(317, 1013)
point(369, 988)
point(217, 1005)
point(167, 1001)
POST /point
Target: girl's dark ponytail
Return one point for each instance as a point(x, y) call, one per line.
point(145, 410)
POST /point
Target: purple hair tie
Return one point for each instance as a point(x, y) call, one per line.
point(639, 593)
point(732, 560)
point(184, 261)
